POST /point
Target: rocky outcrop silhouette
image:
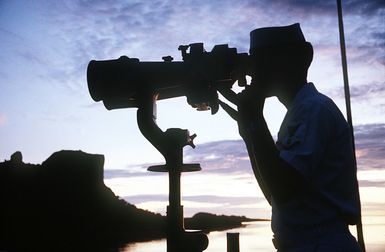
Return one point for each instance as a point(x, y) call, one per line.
point(64, 204)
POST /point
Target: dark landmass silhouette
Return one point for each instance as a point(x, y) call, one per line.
point(64, 205)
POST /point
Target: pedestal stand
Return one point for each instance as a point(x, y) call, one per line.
point(170, 144)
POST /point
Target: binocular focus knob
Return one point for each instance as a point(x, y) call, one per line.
point(191, 139)
point(180, 137)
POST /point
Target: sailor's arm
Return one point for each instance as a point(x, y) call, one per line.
point(281, 179)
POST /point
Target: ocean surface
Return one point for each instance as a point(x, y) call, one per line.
point(256, 236)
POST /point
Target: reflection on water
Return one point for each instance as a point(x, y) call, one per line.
point(158, 245)
point(257, 237)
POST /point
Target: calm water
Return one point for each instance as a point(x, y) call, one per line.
point(257, 237)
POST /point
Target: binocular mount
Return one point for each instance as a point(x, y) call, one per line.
point(170, 144)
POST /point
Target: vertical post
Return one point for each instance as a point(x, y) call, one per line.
point(360, 235)
point(175, 226)
point(232, 242)
point(174, 165)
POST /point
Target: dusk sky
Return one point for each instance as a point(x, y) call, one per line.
point(45, 105)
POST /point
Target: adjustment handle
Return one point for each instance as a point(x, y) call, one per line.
point(191, 139)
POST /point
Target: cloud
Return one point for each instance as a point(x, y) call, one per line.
point(138, 199)
point(366, 90)
point(222, 199)
point(107, 30)
point(130, 171)
point(362, 91)
point(76, 32)
point(364, 7)
point(370, 183)
point(250, 206)
point(350, 7)
point(365, 41)
point(222, 157)
point(370, 146)
point(365, 97)
point(230, 157)
point(143, 198)
point(373, 209)
point(226, 161)
point(363, 24)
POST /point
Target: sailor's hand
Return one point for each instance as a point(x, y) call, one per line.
point(250, 103)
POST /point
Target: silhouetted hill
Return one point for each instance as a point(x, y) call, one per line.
point(208, 222)
point(64, 203)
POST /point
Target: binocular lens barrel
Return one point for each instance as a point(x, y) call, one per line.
point(119, 82)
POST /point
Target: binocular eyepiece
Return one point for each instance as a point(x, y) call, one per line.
point(121, 83)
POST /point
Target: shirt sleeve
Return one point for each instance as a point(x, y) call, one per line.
point(305, 138)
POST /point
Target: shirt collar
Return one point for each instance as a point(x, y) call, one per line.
point(305, 91)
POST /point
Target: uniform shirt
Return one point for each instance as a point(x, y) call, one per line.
point(314, 139)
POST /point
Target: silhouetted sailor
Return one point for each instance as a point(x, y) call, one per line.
point(309, 174)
